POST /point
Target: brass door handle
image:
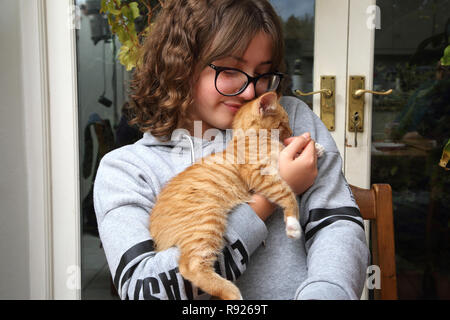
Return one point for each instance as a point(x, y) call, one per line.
point(327, 92)
point(356, 103)
point(358, 93)
point(327, 100)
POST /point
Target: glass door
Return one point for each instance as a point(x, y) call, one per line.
point(102, 127)
point(399, 45)
point(298, 25)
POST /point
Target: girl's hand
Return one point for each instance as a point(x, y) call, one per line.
point(298, 163)
point(262, 207)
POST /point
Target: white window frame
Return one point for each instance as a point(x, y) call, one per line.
point(50, 93)
point(336, 53)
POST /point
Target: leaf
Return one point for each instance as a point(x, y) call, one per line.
point(121, 19)
point(445, 156)
point(125, 57)
point(115, 12)
point(110, 7)
point(126, 11)
point(393, 170)
point(122, 35)
point(134, 6)
point(103, 6)
point(128, 44)
point(445, 60)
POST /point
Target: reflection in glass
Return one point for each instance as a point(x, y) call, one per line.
point(298, 26)
point(102, 128)
point(410, 129)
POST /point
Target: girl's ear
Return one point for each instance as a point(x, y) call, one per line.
point(267, 103)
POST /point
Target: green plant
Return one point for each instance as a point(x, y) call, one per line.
point(445, 60)
point(127, 21)
point(445, 156)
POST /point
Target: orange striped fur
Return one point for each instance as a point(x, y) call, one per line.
point(191, 210)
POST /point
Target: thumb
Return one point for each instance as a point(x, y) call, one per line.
point(296, 146)
point(287, 141)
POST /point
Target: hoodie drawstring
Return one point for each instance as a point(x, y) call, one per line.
point(192, 147)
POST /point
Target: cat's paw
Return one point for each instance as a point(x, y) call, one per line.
point(293, 229)
point(320, 150)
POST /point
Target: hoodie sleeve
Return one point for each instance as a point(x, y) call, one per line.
point(337, 252)
point(124, 194)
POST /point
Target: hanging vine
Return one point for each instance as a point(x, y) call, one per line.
point(131, 21)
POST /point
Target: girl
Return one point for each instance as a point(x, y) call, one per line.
point(182, 83)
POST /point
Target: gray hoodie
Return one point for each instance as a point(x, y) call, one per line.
point(329, 261)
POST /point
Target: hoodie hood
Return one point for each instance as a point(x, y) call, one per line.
point(181, 143)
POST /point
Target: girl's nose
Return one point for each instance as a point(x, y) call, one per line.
point(249, 92)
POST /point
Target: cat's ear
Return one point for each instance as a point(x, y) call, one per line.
point(267, 104)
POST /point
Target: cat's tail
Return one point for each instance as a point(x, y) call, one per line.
point(199, 270)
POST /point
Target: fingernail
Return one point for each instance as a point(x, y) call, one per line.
point(306, 135)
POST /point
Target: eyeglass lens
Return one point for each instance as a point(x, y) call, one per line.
point(231, 82)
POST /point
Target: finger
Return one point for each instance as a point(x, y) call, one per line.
point(288, 140)
point(309, 151)
point(296, 146)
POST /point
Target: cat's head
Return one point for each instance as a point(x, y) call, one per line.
point(264, 112)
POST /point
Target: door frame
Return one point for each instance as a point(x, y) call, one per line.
point(50, 94)
point(37, 140)
point(361, 42)
point(330, 59)
point(339, 45)
point(338, 48)
point(64, 147)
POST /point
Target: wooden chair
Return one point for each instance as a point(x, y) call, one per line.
point(376, 205)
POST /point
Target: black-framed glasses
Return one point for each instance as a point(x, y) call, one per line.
point(232, 81)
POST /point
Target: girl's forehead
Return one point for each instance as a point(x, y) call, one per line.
point(259, 51)
point(241, 60)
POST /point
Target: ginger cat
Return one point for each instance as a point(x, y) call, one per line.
point(191, 210)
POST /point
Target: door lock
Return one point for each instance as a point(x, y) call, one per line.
point(356, 102)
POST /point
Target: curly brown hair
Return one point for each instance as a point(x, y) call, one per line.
point(186, 37)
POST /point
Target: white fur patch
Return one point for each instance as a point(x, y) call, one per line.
point(320, 150)
point(293, 229)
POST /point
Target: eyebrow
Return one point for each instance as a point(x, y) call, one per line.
point(245, 61)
